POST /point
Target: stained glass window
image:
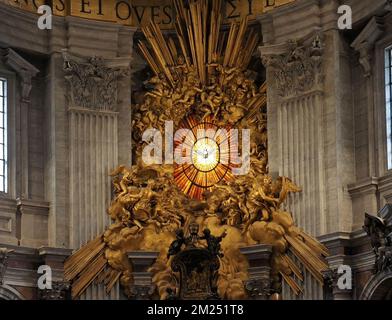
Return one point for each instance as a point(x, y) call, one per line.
point(3, 136)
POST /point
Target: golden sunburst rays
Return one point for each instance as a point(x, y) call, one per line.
point(89, 264)
point(200, 44)
point(203, 157)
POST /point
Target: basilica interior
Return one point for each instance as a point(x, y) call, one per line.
point(196, 149)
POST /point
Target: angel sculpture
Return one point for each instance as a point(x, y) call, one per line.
point(380, 231)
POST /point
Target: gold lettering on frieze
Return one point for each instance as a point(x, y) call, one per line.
point(140, 12)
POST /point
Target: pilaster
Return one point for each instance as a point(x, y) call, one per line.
point(259, 282)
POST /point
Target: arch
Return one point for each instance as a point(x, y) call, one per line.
point(379, 287)
point(9, 293)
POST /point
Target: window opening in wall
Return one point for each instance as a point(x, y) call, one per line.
point(3, 136)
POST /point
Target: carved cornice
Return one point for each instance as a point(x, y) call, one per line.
point(24, 69)
point(93, 82)
point(295, 65)
point(366, 186)
point(32, 206)
point(365, 42)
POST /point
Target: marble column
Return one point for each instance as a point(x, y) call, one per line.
point(296, 130)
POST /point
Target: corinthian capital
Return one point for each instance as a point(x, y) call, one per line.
point(295, 65)
point(93, 81)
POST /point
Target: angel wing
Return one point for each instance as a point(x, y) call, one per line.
point(287, 187)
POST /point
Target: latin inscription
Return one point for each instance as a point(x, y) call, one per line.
point(137, 13)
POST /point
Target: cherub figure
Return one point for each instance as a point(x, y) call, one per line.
point(181, 68)
point(175, 246)
point(160, 85)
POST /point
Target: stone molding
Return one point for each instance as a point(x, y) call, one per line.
point(8, 221)
point(23, 263)
point(24, 69)
point(365, 186)
point(379, 186)
point(365, 41)
point(33, 212)
point(341, 244)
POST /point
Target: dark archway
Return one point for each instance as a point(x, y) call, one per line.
point(379, 287)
